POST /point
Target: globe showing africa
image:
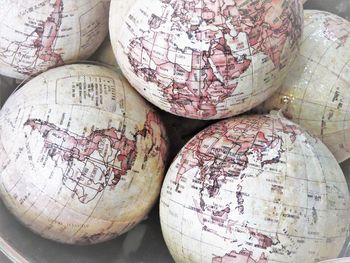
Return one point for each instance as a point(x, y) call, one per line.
point(316, 93)
point(205, 59)
point(82, 155)
point(39, 34)
point(254, 189)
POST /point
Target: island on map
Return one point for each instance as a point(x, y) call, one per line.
point(244, 256)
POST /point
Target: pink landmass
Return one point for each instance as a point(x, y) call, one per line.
point(212, 76)
point(48, 36)
point(222, 151)
point(37, 51)
point(269, 25)
point(337, 29)
point(196, 151)
point(244, 256)
point(100, 159)
point(81, 148)
point(263, 240)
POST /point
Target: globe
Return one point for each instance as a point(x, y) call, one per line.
point(316, 93)
point(82, 155)
point(37, 35)
point(179, 129)
point(205, 59)
point(254, 189)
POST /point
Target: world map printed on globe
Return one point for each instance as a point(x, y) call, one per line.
point(316, 93)
point(254, 189)
point(82, 155)
point(205, 59)
point(39, 34)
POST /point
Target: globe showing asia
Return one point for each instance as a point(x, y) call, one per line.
point(205, 59)
point(82, 155)
point(39, 34)
point(316, 93)
point(254, 189)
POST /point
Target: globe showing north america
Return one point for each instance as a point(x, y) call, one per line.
point(40, 34)
point(205, 59)
point(82, 154)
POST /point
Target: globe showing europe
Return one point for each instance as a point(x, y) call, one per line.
point(39, 34)
point(316, 93)
point(82, 155)
point(254, 189)
point(205, 59)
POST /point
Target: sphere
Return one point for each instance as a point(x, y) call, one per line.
point(82, 156)
point(316, 93)
point(205, 59)
point(179, 129)
point(37, 35)
point(254, 189)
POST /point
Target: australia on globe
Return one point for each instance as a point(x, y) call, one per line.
point(39, 34)
point(205, 59)
point(254, 189)
point(82, 154)
point(316, 92)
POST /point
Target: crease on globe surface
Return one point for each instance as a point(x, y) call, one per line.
point(254, 189)
point(38, 35)
point(205, 59)
point(316, 92)
point(82, 156)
